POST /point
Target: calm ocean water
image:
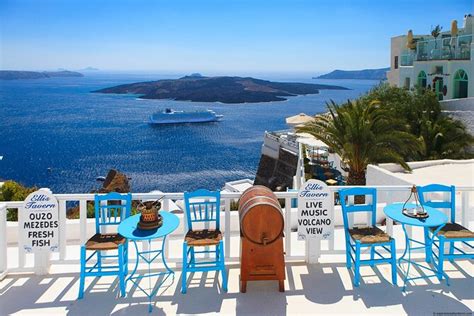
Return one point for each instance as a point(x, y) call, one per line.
point(57, 123)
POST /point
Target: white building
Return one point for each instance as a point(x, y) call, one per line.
point(459, 173)
point(444, 64)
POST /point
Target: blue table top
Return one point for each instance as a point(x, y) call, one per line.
point(436, 217)
point(128, 227)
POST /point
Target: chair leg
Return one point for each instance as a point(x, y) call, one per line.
point(348, 255)
point(121, 275)
point(193, 257)
point(440, 258)
point(393, 250)
point(99, 261)
point(185, 264)
point(372, 256)
point(451, 252)
point(222, 264)
point(83, 272)
point(126, 258)
point(357, 265)
point(428, 246)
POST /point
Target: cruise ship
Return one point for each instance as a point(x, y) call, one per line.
point(170, 116)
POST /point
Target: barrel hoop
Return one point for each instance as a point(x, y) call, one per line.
point(266, 203)
point(267, 190)
point(257, 187)
point(241, 207)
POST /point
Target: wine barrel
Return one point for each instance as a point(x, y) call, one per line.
point(261, 217)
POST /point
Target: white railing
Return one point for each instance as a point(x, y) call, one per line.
point(289, 140)
point(386, 194)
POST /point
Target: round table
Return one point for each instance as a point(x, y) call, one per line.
point(128, 229)
point(436, 219)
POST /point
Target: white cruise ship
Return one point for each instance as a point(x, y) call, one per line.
point(170, 116)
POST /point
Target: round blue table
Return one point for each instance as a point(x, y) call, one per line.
point(436, 219)
point(128, 229)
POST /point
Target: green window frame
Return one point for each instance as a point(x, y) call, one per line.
point(460, 84)
point(422, 79)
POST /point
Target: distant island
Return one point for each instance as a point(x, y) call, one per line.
point(365, 74)
point(89, 69)
point(15, 74)
point(198, 88)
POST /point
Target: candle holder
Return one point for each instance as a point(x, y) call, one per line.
point(150, 217)
point(415, 212)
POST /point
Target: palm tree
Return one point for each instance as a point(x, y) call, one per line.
point(435, 32)
point(362, 133)
point(442, 135)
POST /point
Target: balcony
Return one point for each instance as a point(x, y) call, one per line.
point(443, 48)
point(406, 58)
point(325, 287)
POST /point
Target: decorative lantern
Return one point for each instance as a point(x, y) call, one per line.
point(416, 212)
point(150, 217)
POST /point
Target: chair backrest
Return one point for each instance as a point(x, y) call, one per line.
point(202, 206)
point(423, 192)
point(111, 214)
point(345, 197)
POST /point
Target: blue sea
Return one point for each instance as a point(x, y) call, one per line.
point(55, 133)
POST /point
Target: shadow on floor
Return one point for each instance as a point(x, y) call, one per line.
point(323, 287)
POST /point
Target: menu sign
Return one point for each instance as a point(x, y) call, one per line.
point(315, 211)
point(39, 222)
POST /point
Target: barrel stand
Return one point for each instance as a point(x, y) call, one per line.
point(262, 262)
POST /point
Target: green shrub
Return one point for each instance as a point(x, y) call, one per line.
point(14, 191)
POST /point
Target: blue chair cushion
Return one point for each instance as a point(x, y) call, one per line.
point(105, 242)
point(454, 230)
point(369, 235)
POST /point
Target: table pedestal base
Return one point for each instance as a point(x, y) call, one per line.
point(148, 257)
point(409, 261)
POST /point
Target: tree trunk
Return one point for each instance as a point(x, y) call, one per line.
point(357, 178)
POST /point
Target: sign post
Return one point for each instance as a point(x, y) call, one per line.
point(39, 225)
point(315, 217)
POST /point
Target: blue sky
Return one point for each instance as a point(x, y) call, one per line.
point(213, 36)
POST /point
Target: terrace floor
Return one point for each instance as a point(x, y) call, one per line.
point(324, 288)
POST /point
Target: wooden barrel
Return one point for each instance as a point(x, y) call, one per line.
point(261, 218)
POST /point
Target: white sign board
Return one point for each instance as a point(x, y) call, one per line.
point(315, 211)
point(39, 223)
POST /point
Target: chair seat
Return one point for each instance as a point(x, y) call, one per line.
point(105, 242)
point(454, 230)
point(369, 235)
point(204, 237)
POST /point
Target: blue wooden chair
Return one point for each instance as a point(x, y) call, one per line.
point(203, 206)
point(451, 233)
point(367, 237)
point(107, 215)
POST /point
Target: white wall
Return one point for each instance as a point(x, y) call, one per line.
point(393, 75)
point(462, 109)
point(388, 174)
point(384, 176)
